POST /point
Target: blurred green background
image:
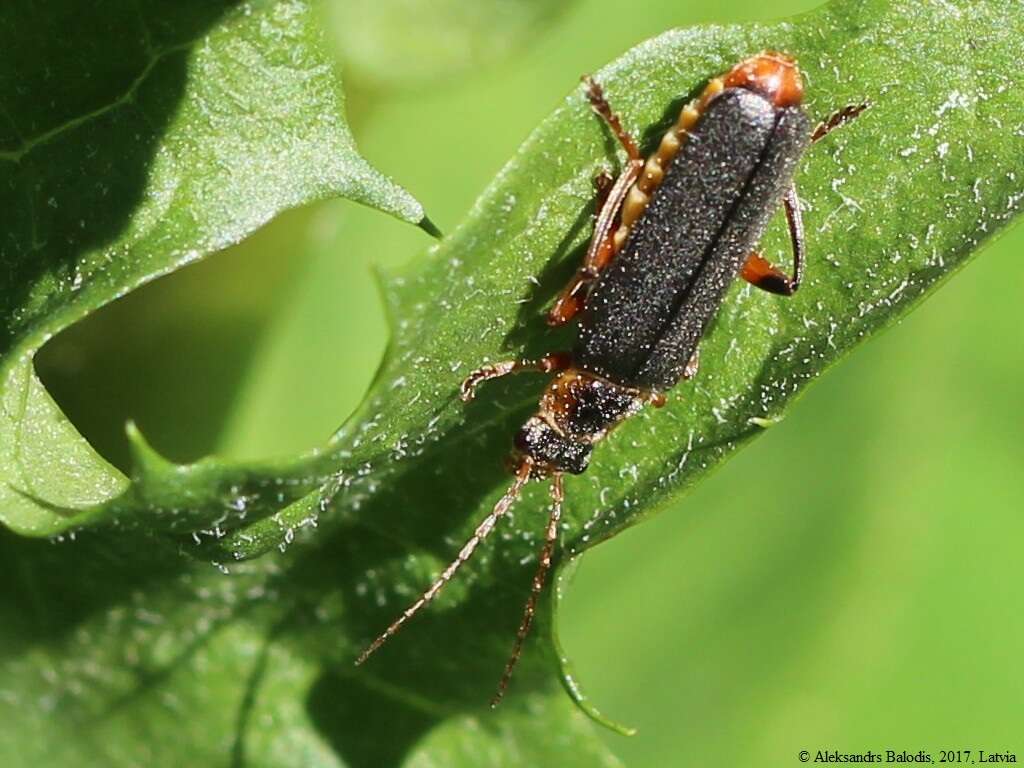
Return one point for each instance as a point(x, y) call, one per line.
point(851, 581)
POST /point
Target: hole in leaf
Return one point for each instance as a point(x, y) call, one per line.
point(226, 356)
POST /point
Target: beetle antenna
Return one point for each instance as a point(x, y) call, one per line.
point(543, 566)
point(485, 527)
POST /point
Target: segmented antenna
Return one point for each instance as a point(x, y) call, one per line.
point(543, 566)
point(485, 527)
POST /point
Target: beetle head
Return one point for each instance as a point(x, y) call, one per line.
point(548, 450)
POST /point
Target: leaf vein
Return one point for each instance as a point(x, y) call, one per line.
point(16, 155)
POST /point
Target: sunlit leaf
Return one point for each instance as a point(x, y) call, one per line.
point(894, 203)
point(165, 135)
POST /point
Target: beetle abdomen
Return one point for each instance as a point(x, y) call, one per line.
point(650, 307)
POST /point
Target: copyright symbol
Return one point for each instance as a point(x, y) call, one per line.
point(804, 755)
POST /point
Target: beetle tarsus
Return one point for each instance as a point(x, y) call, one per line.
point(600, 105)
point(467, 390)
point(836, 119)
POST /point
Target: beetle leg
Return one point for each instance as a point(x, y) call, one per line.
point(570, 300)
point(761, 273)
point(602, 244)
point(836, 119)
point(557, 361)
point(600, 252)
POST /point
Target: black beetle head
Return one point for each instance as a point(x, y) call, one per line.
point(550, 451)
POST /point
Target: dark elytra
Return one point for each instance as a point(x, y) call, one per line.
point(649, 309)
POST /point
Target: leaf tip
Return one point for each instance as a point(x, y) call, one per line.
point(430, 228)
point(580, 699)
point(145, 458)
point(565, 671)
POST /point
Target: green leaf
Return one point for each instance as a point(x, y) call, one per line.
point(895, 203)
point(209, 120)
point(148, 661)
point(406, 44)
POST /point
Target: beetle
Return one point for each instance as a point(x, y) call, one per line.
point(671, 233)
